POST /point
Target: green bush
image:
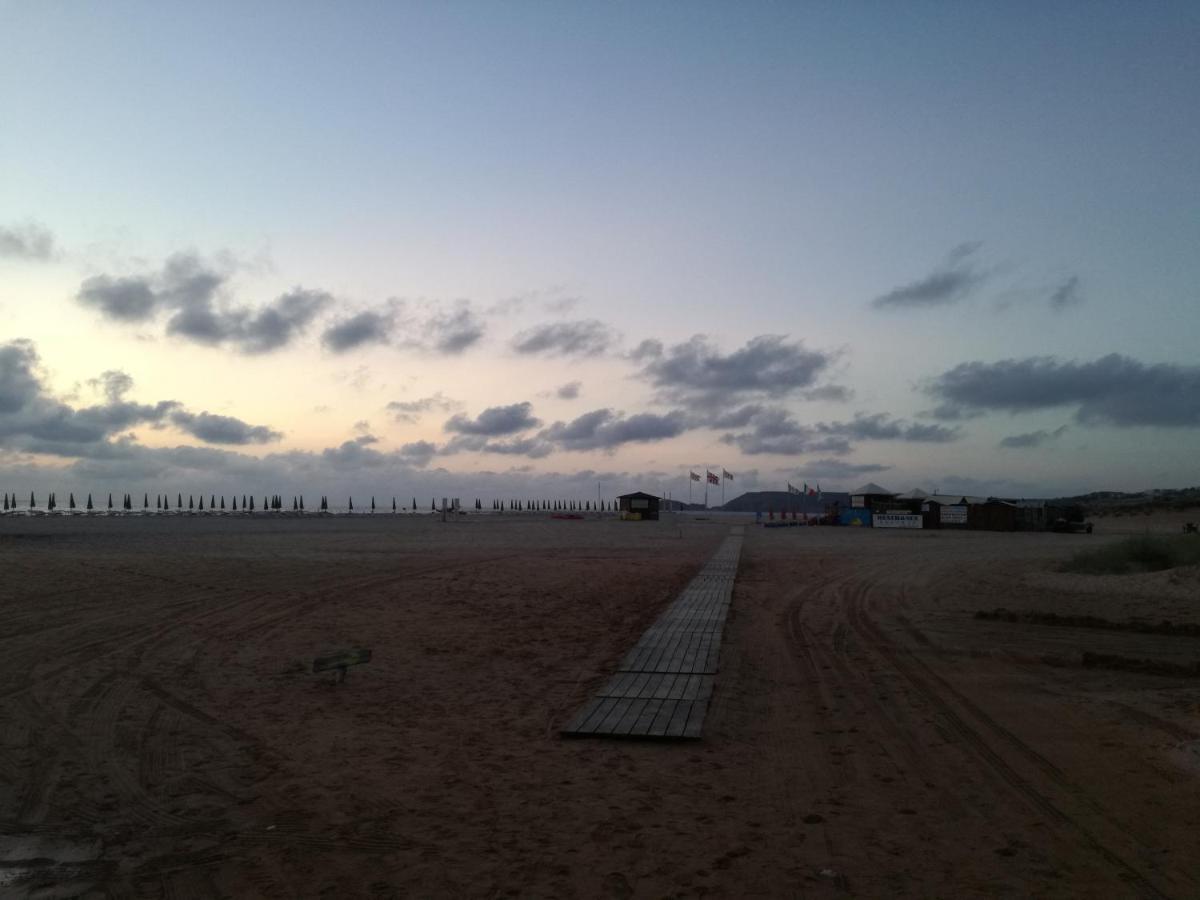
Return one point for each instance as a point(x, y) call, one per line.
point(1137, 554)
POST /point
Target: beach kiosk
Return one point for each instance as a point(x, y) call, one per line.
point(638, 505)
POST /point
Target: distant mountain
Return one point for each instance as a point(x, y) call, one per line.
point(780, 501)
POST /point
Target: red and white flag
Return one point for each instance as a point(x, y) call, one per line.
point(712, 479)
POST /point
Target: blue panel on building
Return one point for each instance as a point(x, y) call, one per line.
point(852, 516)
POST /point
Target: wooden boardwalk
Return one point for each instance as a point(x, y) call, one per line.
point(662, 686)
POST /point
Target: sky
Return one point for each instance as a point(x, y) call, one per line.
point(562, 250)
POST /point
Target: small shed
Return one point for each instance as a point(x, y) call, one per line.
point(638, 505)
point(871, 496)
point(992, 515)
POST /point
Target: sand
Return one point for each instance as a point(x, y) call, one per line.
point(161, 734)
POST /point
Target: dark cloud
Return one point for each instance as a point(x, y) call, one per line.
point(834, 393)
point(768, 365)
point(215, 429)
point(949, 283)
point(647, 349)
point(411, 410)
point(1033, 438)
point(603, 429)
point(279, 322)
point(192, 293)
point(738, 417)
point(1066, 294)
point(775, 430)
point(19, 380)
point(1113, 390)
point(417, 453)
point(532, 447)
point(836, 468)
point(882, 427)
point(26, 241)
point(120, 299)
point(586, 337)
point(495, 421)
point(34, 421)
point(569, 391)
point(454, 331)
point(365, 328)
point(114, 384)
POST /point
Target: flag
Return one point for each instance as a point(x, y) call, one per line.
point(712, 479)
point(818, 490)
point(792, 489)
point(812, 492)
point(694, 476)
point(728, 475)
point(805, 491)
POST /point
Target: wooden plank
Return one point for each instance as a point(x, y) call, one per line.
point(679, 718)
point(649, 713)
point(597, 715)
point(619, 710)
point(658, 728)
point(576, 725)
point(625, 726)
point(695, 723)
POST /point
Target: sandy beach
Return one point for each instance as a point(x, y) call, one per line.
point(162, 734)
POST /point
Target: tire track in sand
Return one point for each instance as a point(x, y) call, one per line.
point(922, 679)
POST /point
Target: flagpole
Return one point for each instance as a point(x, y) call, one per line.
point(706, 485)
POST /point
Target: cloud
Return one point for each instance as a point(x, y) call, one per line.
point(586, 337)
point(418, 453)
point(26, 241)
point(1033, 438)
point(1113, 390)
point(114, 384)
point(410, 410)
point(837, 468)
point(882, 427)
point(569, 391)
point(949, 283)
point(32, 420)
point(454, 331)
point(603, 429)
point(1066, 294)
point(647, 349)
point(282, 320)
point(120, 299)
point(697, 372)
point(19, 381)
point(495, 421)
point(774, 430)
point(215, 429)
point(192, 293)
point(367, 327)
point(532, 447)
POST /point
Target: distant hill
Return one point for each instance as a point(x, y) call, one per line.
point(680, 506)
point(780, 501)
point(1158, 498)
